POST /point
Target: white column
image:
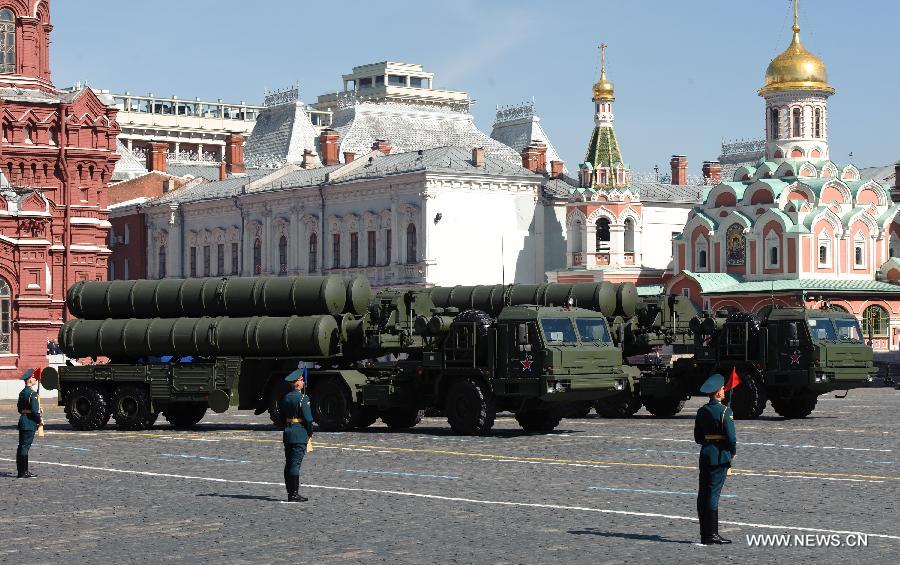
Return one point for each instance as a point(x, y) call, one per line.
point(200, 151)
point(617, 244)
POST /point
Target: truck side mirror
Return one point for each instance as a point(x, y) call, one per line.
point(522, 334)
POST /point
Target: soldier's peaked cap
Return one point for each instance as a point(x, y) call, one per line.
point(27, 375)
point(712, 384)
point(295, 375)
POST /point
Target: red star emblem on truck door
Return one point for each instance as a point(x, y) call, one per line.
point(526, 363)
point(795, 357)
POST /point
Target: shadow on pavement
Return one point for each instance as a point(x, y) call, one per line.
point(243, 497)
point(638, 537)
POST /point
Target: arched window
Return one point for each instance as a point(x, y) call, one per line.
point(28, 133)
point(5, 303)
point(313, 265)
point(7, 42)
point(411, 244)
point(602, 234)
point(876, 319)
point(772, 249)
point(773, 256)
point(629, 236)
point(795, 122)
point(354, 249)
point(257, 256)
point(282, 255)
point(859, 251)
point(773, 123)
point(701, 259)
point(162, 261)
point(817, 123)
point(736, 245)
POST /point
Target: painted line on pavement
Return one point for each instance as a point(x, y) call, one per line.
point(651, 491)
point(750, 474)
point(485, 502)
point(742, 443)
point(399, 474)
point(203, 457)
point(62, 447)
point(883, 462)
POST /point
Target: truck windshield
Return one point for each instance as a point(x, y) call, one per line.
point(848, 329)
point(558, 330)
point(592, 330)
point(821, 328)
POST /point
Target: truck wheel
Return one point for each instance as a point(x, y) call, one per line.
point(749, 398)
point(470, 408)
point(332, 406)
point(185, 414)
point(544, 420)
point(579, 409)
point(663, 406)
point(621, 405)
point(401, 418)
point(151, 419)
point(274, 411)
point(796, 407)
point(87, 408)
point(131, 406)
point(367, 416)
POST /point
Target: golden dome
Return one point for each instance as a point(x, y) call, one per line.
point(603, 88)
point(796, 69)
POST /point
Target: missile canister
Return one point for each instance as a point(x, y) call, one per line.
point(226, 296)
point(315, 336)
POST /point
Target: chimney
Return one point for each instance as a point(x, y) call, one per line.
point(712, 172)
point(679, 169)
point(156, 156)
point(382, 145)
point(309, 159)
point(478, 157)
point(349, 156)
point(223, 171)
point(328, 147)
point(534, 157)
point(556, 169)
point(234, 153)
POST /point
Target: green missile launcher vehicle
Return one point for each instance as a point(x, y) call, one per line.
point(180, 347)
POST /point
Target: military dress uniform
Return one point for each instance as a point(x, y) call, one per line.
point(29, 420)
point(714, 431)
point(298, 429)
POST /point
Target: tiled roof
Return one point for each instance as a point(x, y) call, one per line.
point(519, 133)
point(809, 285)
point(280, 135)
point(711, 282)
point(209, 172)
point(128, 166)
point(664, 192)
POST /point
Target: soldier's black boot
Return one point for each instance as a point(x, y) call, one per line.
point(20, 467)
point(714, 522)
point(28, 474)
point(295, 495)
point(706, 534)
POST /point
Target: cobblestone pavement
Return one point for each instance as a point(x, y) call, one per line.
point(595, 491)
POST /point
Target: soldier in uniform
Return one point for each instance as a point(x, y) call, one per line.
point(298, 429)
point(714, 431)
point(29, 421)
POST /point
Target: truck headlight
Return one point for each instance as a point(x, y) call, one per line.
point(620, 384)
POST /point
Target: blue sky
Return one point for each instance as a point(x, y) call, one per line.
point(686, 72)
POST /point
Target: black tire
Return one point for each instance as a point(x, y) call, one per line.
point(620, 405)
point(579, 409)
point(663, 406)
point(367, 416)
point(131, 406)
point(274, 411)
point(185, 414)
point(401, 418)
point(749, 399)
point(333, 407)
point(796, 407)
point(470, 407)
point(87, 408)
point(543, 420)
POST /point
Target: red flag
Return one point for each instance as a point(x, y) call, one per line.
point(733, 380)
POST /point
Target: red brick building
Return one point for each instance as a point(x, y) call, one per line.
point(56, 158)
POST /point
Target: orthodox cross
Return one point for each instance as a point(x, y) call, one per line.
point(603, 60)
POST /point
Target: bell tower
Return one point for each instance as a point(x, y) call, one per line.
point(25, 45)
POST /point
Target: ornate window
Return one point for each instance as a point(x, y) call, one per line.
point(354, 249)
point(824, 249)
point(701, 258)
point(282, 255)
point(257, 256)
point(876, 319)
point(220, 259)
point(817, 123)
point(602, 234)
point(7, 42)
point(313, 264)
point(795, 122)
point(235, 262)
point(162, 261)
point(629, 236)
point(388, 246)
point(736, 245)
point(207, 251)
point(193, 262)
point(335, 251)
point(370, 248)
point(5, 317)
point(859, 251)
point(773, 123)
point(772, 250)
point(411, 244)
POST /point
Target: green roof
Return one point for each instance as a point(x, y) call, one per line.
point(808, 285)
point(711, 282)
point(603, 149)
point(650, 290)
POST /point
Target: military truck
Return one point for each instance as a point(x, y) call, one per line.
point(179, 347)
